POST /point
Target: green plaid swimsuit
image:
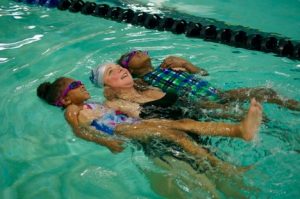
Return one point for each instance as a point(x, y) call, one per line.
point(181, 83)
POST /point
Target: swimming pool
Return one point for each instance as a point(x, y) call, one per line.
point(40, 156)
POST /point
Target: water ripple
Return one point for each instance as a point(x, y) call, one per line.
point(19, 44)
point(3, 60)
point(15, 10)
point(282, 74)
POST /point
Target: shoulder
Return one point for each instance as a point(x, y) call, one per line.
point(153, 92)
point(71, 112)
point(171, 57)
point(72, 108)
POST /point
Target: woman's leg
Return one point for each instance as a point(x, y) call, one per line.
point(245, 130)
point(172, 170)
point(262, 95)
point(218, 110)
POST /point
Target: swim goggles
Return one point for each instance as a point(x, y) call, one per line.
point(125, 61)
point(71, 86)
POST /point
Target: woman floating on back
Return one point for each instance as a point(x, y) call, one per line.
point(149, 102)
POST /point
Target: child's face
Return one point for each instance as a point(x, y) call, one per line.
point(117, 77)
point(138, 60)
point(75, 91)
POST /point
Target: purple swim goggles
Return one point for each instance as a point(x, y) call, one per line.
point(71, 86)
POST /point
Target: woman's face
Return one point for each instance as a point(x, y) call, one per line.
point(139, 59)
point(117, 77)
point(76, 91)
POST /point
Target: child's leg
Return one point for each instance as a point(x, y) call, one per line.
point(245, 130)
point(145, 130)
point(262, 95)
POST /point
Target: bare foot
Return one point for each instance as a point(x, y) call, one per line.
point(250, 125)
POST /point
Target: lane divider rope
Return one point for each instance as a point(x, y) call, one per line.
point(209, 32)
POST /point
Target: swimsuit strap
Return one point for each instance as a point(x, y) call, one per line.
point(87, 106)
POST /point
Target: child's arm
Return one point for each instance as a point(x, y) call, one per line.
point(177, 62)
point(71, 115)
point(115, 146)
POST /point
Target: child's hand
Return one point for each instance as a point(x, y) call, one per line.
point(179, 64)
point(116, 146)
point(203, 72)
point(173, 62)
point(179, 69)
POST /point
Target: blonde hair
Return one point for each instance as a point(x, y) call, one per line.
point(110, 93)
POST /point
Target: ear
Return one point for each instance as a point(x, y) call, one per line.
point(66, 101)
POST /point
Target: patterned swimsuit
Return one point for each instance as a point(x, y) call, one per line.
point(181, 83)
point(110, 119)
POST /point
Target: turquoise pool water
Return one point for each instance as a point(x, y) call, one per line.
point(40, 156)
point(273, 16)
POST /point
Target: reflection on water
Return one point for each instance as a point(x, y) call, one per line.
point(19, 44)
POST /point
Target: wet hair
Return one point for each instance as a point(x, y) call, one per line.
point(140, 85)
point(50, 92)
point(109, 93)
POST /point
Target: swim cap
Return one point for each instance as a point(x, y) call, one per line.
point(97, 74)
